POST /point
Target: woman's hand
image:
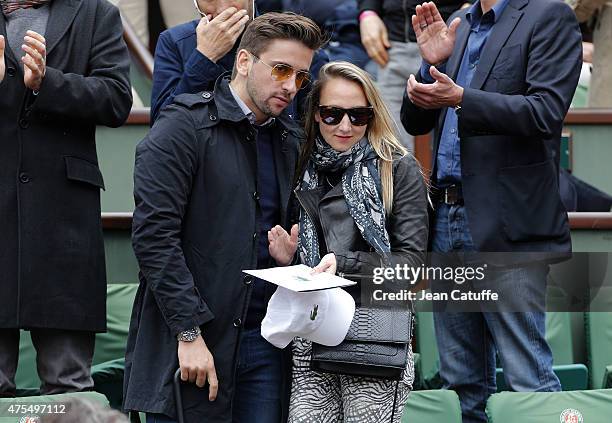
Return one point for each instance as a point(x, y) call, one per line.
point(282, 245)
point(327, 264)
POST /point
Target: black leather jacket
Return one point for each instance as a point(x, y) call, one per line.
point(407, 225)
point(396, 14)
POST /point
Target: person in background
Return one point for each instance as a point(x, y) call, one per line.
point(362, 200)
point(63, 71)
point(191, 56)
point(503, 78)
point(600, 90)
point(213, 175)
point(339, 19)
point(388, 37)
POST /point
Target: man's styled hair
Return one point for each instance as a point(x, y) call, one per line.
point(279, 26)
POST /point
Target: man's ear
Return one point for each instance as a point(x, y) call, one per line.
point(243, 60)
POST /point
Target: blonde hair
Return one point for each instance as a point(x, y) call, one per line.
point(381, 131)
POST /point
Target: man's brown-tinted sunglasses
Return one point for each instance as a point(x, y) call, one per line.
point(282, 72)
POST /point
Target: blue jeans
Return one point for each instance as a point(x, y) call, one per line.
point(468, 342)
point(257, 397)
point(258, 380)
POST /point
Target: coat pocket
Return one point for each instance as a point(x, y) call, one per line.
point(530, 204)
point(82, 170)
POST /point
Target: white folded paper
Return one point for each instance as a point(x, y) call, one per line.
point(299, 278)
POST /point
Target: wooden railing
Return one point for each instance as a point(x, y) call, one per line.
point(593, 221)
point(138, 49)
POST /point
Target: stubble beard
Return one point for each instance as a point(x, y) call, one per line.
point(262, 105)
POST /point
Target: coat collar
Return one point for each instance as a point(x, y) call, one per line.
point(228, 109)
point(9, 57)
point(62, 14)
point(497, 39)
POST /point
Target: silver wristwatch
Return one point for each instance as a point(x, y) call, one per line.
point(189, 335)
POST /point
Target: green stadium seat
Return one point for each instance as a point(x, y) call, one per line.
point(541, 407)
point(573, 377)
point(435, 406)
point(607, 381)
point(429, 361)
point(599, 337)
point(5, 403)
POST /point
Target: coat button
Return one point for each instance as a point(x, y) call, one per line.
point(256, 196)
point(212, 117)
point(247, 280)
point(24, 178)
point(254, 236)
point(206, 94)
point(24, 123)
point(10, 71)
point(237, 323)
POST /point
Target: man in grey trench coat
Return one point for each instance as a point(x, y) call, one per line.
point(64, 69)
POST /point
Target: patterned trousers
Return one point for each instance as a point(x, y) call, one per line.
point(318, 397)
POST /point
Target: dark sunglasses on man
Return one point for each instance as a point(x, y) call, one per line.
point(282, 72)
point(358, 116)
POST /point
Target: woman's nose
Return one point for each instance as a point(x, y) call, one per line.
point(345, 123)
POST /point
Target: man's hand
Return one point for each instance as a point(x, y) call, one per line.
point(375, 39)
point(282, 245)
point(35, 60)
point(215, 38)
point(435, 39)
point(442, 93)
point(197, 365)
point(2, 64)
point(327, 264)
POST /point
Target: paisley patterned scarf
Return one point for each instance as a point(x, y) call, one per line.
point(362, 191)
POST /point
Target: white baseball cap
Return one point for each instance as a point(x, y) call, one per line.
point(322, 316)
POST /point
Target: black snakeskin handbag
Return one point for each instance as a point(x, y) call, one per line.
point(376, 345)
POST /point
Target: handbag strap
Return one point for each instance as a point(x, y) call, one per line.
point(394, 402)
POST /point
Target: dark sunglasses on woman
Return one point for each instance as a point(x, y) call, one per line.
point(282, 72)
point(359, 116)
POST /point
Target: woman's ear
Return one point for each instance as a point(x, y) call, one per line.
point(317, 117)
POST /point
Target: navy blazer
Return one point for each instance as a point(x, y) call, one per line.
point(180, 68)
point(510, 126)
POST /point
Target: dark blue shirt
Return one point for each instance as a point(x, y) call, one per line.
point(448, 160)
point(269, 204)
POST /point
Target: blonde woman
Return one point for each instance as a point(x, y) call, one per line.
point(362, 202)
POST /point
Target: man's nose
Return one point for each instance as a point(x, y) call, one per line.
point(290, 85)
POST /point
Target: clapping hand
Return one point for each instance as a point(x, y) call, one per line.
point(442, 93)
point(282, 245)
point(34, 61)
point(435, 40)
